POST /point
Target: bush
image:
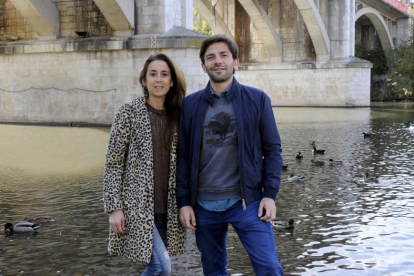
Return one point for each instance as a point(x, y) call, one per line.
point(376, 57)
point(392, 75)
point(401, 69)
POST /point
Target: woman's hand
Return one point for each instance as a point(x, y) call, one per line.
point(117, 221)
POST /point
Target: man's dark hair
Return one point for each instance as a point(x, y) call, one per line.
point(215, 39)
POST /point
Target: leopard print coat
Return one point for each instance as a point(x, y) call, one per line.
point(129, 185)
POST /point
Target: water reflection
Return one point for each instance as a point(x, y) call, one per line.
point(344, 225)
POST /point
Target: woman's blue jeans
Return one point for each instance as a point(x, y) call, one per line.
point(256, 236)
point(160, 264)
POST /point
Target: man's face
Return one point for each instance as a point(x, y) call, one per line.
point(219, 62)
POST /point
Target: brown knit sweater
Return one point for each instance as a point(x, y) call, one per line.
point(161, 155)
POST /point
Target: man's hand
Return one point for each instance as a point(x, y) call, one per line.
point(269, 206)
point(117, 221)
point(187, 217)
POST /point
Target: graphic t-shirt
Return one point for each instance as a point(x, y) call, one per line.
point(218, 175)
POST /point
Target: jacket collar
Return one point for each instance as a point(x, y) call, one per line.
point(231, 94)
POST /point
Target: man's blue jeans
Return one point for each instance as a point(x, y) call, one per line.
point(256, 236)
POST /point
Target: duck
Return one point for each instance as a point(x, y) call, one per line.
point(299, 155)
point(312, 143)
point(317, 163)
point(21, 227)
point(369, 178)
point(367, 135)
point(293, 177)
point(318, 151)
point(408, 124)
point(285, 166)
point(281, 224)
point(40, 219)
point(335, 162)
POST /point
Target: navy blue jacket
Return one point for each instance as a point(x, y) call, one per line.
point(260, 160)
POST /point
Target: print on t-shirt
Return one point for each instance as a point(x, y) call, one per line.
point(221, 130)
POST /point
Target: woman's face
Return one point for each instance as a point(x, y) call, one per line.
point(158, 79)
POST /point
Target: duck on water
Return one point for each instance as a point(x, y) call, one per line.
point(21, 227)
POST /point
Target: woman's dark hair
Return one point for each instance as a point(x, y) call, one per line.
point(174, 97)
point(215, 39)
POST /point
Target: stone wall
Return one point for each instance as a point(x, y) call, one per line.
point(12, 23)
point(243, 34)
point(81, 15)
point(345, 84)
point(88, 81)
point(75, 15)
point(41, 82)
point(289, 25)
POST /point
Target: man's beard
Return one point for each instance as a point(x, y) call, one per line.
point(221, 78)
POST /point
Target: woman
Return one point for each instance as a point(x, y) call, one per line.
point(139, 179)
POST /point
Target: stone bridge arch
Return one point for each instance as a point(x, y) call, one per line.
point(316, 28)
point(379, 24)
point(265, 28)
point(214, 19)
point(258, 15)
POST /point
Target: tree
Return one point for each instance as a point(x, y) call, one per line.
point(401, 74)
point(392, 75)
point(200, 25)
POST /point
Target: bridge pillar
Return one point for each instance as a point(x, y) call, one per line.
point(316, 28)
point(264, 27)
point(187, 14)
point(403, 30)
point(339, 29)
point(352, 28)
point(157, 17)
point(43, 17)
point(119, 14)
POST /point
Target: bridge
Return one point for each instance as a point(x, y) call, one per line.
point(67, 61)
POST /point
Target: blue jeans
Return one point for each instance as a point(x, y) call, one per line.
point(256, 236)
point(160, 263)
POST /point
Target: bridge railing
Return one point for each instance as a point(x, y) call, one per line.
point(398, 4)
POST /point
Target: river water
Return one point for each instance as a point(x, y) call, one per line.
point(344, 225)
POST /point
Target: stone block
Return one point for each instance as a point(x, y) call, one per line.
point(71, 10)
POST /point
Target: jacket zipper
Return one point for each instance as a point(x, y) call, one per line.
point(198, 159)
point(241, 188)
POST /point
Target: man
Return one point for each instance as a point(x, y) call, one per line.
point(229, 164)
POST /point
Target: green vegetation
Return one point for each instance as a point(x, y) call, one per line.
point(376, 57)
point(392, 75)
point(200, 25)
point(401, 69)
